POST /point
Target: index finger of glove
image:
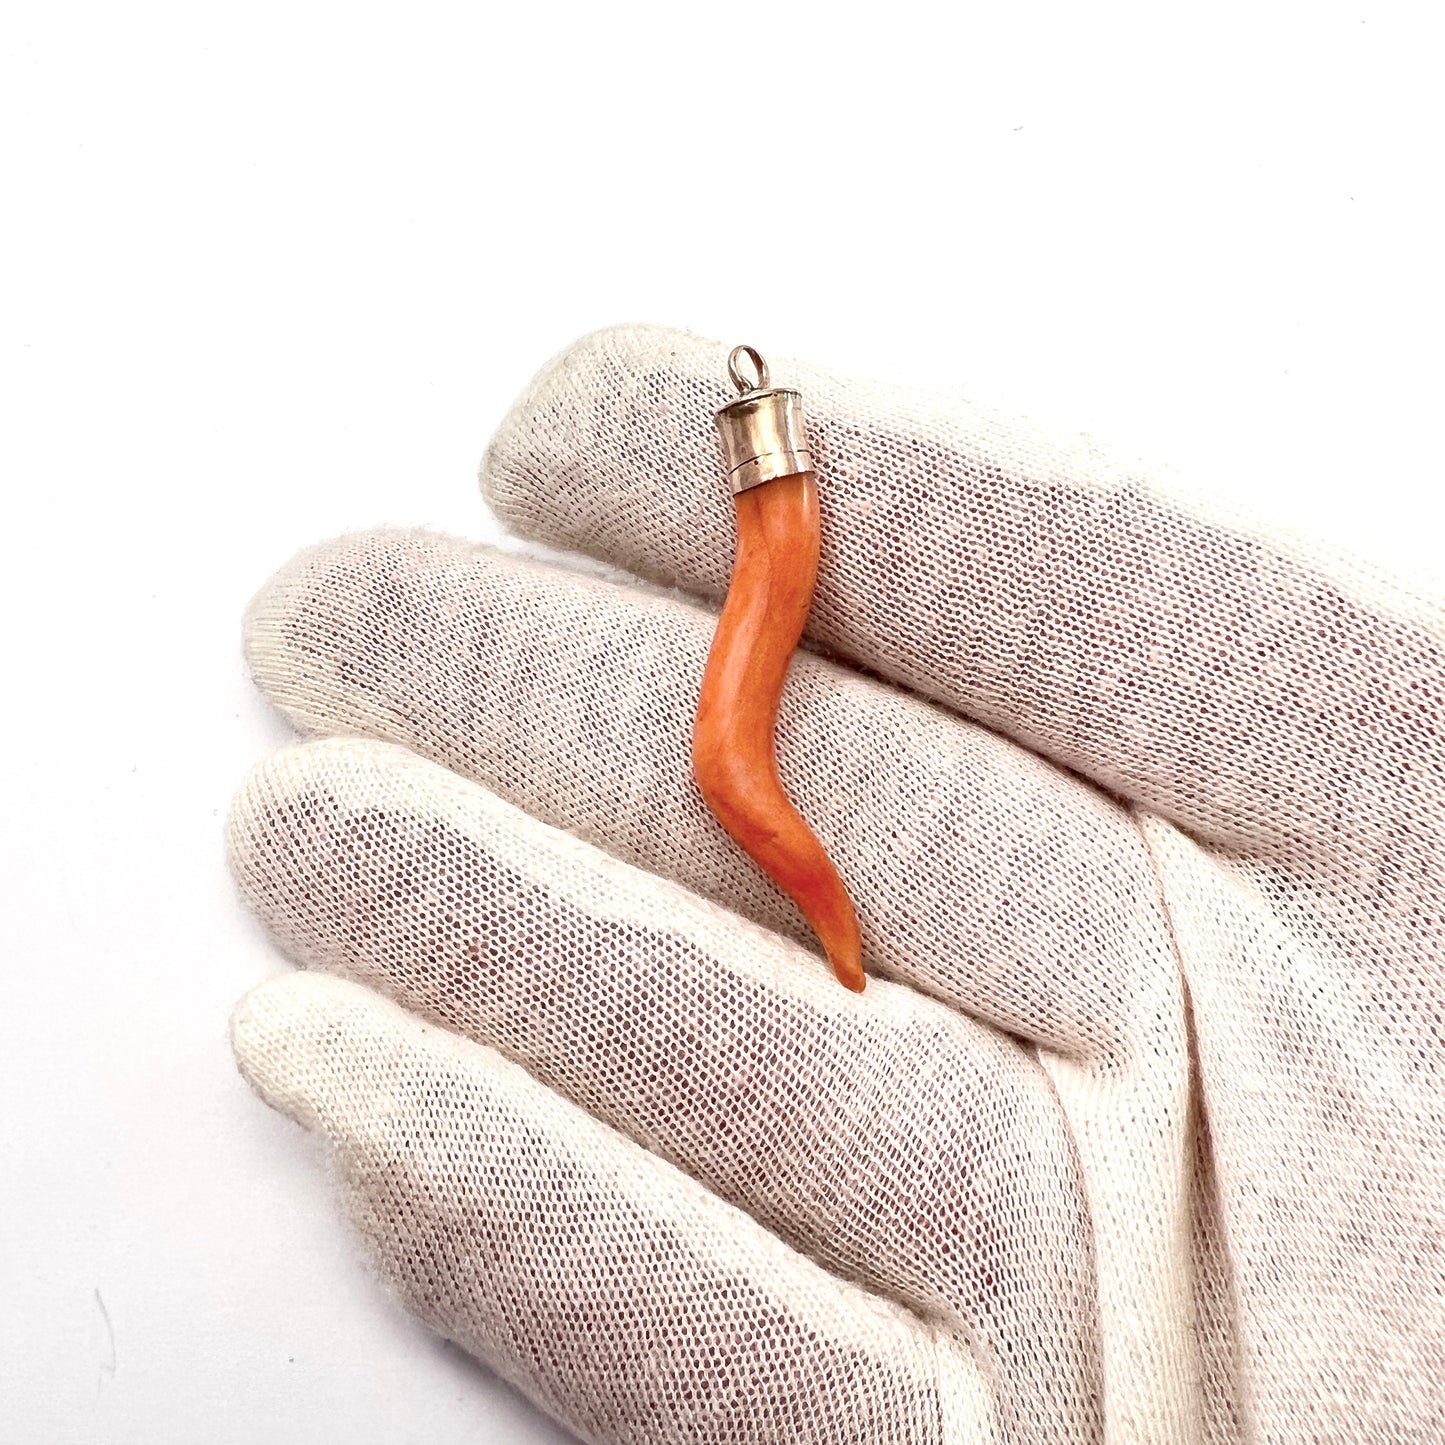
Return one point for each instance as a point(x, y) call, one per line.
point(1251, 690)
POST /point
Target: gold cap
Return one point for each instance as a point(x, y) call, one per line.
point(763, 435)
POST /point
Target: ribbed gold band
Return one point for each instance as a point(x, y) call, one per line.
point(763, 436)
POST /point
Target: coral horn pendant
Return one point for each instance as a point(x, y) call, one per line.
point(776, 497)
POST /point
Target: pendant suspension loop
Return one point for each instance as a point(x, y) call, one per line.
point(760, 370)
point(762, 430)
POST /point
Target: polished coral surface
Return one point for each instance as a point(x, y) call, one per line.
point(733, 747)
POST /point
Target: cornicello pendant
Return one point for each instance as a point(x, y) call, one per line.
point(775, 494)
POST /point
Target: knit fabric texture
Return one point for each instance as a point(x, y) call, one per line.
point(1138, 1133)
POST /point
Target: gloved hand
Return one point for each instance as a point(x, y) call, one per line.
point(1137, 1132)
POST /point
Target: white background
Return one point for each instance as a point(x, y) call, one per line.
point(274, 271)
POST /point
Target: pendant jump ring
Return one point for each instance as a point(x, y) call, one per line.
point(760, 369)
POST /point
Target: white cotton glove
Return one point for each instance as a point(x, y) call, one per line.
point(1137, 1133)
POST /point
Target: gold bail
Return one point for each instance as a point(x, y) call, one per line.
point(763, 433)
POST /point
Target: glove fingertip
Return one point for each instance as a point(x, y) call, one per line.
point(556, 411)
point(270, 615)
point(289, 1038)
point(324, 595)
